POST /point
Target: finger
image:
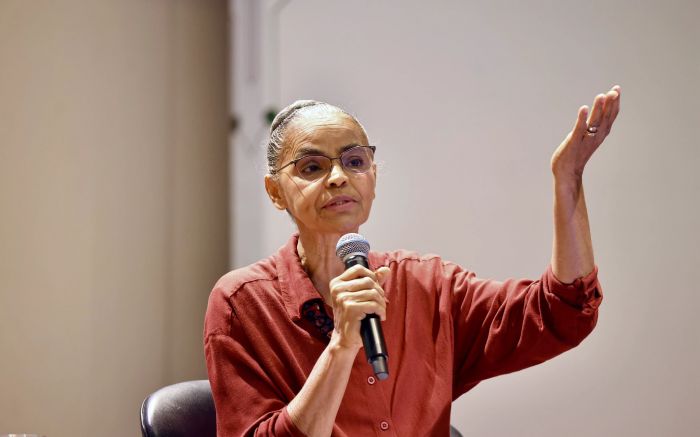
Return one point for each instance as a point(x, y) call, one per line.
point(356, 271)
point(616, 106)
point(580, 125)
point(610, 107)
point(609, 104)
point(360, 296)
point(346, 302)
point(363, 283)
point(382, 274)
point(357, 286)
point(359, 310)
point(596, 111)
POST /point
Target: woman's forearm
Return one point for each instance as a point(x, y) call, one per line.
point(314, 408)
point(572, 248)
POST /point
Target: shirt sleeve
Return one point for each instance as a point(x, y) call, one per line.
point(247, 402)
point(502, 327)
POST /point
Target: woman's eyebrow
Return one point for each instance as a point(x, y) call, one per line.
point(350, 146)
point(308, 150)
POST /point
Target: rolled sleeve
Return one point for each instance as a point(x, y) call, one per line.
point(285, 426)
point(503, 327)
point(584, 293)
point(247, 404)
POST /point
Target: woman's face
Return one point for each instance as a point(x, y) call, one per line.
point(336, 203)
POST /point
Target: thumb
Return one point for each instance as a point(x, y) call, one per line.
point(382, 274)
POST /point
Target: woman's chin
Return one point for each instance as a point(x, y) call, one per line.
point(335, 225)
point(343, 228)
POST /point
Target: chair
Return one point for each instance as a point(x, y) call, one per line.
point(186, 409)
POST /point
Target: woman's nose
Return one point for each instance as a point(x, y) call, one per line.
point(337, 176)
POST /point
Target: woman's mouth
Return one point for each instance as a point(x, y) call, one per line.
point(339, 203)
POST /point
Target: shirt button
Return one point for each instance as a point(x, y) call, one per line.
point(384, 425)
point(371, 380)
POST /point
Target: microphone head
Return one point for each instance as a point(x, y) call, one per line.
point(351, 244)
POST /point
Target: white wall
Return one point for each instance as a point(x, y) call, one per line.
point(113, 205)
point(466, 101)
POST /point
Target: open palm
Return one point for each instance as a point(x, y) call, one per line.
point(570, 158)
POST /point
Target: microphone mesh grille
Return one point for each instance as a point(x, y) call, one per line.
point(351, 243)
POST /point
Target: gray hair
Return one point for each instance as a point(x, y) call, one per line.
point(281, 121)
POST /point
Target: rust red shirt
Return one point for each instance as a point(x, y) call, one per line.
point(446, 330)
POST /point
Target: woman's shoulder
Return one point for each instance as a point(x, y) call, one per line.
point(243, 288)
point(232, 282)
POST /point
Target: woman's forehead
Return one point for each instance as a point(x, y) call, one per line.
point(326, 132)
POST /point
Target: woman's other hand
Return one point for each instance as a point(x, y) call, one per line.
point(588, 133)
point(354, 294)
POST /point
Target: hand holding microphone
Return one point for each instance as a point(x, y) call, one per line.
point(359, 302)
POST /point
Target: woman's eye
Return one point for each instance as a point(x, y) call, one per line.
point(355, 162)
point(309, 167)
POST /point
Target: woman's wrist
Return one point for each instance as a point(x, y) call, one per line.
point(567, 194)
point(567, 180)
point(314, 408)
point(339, 348)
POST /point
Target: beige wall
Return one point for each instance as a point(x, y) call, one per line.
point(113, 205)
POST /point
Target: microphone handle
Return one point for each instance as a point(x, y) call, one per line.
point(371, 332)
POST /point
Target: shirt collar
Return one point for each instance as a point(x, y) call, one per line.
point(295, 284)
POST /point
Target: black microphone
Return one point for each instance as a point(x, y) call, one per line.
point(353, 249)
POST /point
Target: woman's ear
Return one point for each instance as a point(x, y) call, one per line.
point(374, 171)
point(273, 190)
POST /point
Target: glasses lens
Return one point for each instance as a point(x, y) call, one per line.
point(357, 159)
point(312, 167)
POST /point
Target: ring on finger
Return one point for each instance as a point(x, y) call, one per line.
point(592, 130)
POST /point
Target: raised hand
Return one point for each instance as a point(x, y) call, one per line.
point(589, 131)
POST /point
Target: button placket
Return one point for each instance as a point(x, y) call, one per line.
point(374, 397)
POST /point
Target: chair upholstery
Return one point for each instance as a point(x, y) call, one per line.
point(186, 409)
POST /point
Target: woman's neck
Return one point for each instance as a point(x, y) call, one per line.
point(318, 258)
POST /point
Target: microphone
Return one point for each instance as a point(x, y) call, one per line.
point(353, 249)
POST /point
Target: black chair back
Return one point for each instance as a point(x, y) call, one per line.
point(185, 409)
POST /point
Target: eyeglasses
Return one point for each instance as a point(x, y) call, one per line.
point(357, 159)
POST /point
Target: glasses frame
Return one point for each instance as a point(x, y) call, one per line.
point(294, 161)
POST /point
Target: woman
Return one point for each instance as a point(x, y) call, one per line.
point(282, 336)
